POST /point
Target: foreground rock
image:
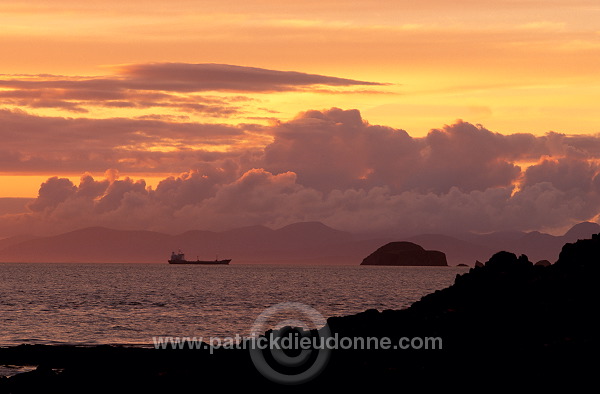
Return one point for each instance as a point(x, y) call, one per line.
point(543, 263)
point(506, 321)
point(507, 324)
point(405, 254)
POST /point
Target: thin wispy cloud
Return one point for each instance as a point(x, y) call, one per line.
point(175, 86)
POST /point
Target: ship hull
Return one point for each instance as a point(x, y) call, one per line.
point(200, 262)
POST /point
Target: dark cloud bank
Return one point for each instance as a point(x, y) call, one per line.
point(329, 166)
point(179, 86)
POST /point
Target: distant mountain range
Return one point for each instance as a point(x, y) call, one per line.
point(467, 248)
point(308, 242)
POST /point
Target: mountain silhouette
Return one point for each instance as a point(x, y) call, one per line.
point(309, 242)
point(457, 250)
point(581, 231)
point(468, 248)
point(17, 239)
point(305, 242)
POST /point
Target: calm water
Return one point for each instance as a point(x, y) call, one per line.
point(131, 303)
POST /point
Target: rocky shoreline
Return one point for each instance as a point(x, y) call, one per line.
point(508, 323)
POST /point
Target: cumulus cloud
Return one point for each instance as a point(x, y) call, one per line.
point(53, 192)
point(330, 166)
point(565, 173)
point(337, 149)
point(260, 197)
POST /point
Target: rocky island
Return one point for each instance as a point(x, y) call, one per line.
point(405, 254)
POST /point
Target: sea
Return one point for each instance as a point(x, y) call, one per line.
point(132, 304)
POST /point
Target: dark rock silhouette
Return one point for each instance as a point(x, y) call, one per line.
point(405, 254)
point(542, 263)
point(536, 324)
point(478, 264)
point(462, 265)
point(506, 324)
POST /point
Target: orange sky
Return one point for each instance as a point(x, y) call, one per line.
point(526, 66)
point(515, 66)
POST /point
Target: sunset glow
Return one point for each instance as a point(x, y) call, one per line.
point(350, 113)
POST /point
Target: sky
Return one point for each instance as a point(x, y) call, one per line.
point(382, 116)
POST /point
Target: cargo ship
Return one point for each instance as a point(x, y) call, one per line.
point(179, 258)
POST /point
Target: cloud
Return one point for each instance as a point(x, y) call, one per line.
point(162, 85)
point(260, 197)
point(36, 144)
point(184, 77)
point(337, 149)
point(79, 95)
point(53, 192)
point(567, 174)
point(330, 166)
point(193, 187)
